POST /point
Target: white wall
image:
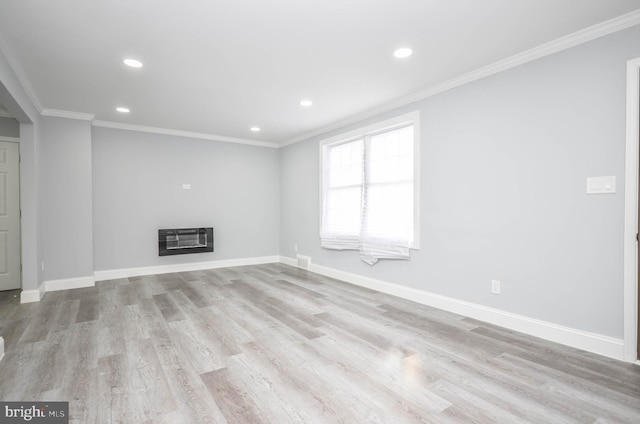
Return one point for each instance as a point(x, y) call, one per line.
point(66, 199)
point(137, 189)
point(503, 167)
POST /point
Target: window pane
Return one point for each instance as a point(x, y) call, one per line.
point(345, 164)
point(368, 190)
point(343, 176)
point(389, 211)
point(389, 185)
point(390, 156)
point(342, 211)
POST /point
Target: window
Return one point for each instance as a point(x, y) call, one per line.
point(369, 199)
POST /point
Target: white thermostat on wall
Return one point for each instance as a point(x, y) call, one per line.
point(601, 185)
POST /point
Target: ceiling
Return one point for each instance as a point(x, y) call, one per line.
point(220, 67)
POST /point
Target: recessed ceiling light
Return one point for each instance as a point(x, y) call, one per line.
point(403, 52)
point(133, 63)
point(123, 109)
point(306, 103)
point(255, 129)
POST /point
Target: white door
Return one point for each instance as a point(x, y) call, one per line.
point(9, 216)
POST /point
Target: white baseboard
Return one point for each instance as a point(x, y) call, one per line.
point(28, 296)
point(69, 283)
point(166, 269)
point(289, 261)
point(591, 342)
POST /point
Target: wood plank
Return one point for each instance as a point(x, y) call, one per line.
point(273, 344)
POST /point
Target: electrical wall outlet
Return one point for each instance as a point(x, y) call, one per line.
point(495, 286)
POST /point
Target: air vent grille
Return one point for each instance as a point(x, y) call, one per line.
point(303, 261)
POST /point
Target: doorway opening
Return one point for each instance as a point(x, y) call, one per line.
point(10, 257)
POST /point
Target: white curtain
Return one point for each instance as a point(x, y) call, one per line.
point(368, 195)
point(342, 197)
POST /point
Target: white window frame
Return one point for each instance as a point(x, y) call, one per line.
point(412, 118)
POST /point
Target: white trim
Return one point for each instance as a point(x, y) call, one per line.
point(596, 343)
point(69, 283)
point(411, 118)
point(29, 296)
point(1, 348)
point(290, 261)
point(180, 133)
point(631, 212)
point(10, 139)
point(592, 342)
point(599, 30)
point(56, 113)
point(166, 269)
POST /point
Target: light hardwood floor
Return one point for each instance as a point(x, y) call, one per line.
point(275, 344)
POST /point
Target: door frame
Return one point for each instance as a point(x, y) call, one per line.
point(17, 141)
point(631, 205)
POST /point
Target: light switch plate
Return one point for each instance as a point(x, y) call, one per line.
point(601, 185)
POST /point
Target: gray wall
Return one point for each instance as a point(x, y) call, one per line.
point(504, 162)
point(137, 186)
point(66, 198)
point(9, 127)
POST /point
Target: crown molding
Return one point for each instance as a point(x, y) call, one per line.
point(180, 133)
point(579, 37)
point(56, 113)
point(596, 31)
